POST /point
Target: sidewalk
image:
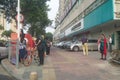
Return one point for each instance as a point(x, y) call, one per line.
point(21, 73)
point(66, 65)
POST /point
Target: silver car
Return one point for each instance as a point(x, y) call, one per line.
point(3, 52)
point(77, 45)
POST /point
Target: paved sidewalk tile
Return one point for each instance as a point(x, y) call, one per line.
point(66, 65)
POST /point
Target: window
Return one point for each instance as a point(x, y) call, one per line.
point(92, 41)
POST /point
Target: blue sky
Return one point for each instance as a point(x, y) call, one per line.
point(53, 5)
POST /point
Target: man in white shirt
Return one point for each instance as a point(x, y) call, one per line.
point(110, 43)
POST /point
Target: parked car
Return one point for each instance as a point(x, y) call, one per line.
point(3, 52)
point(60, 44)
point(66, 43)
point(6, 44)
point(77, 45)
point(1, 44)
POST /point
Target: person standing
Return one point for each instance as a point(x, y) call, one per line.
point(41, 50)
point(84, 45)
point(98, 42)
point(103, 47)
point(48, 47)
point(22, 50)
point(22, 35)
point(110, 43)
point(45, 44)
point(22, 46)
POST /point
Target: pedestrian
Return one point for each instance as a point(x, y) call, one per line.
point(22, 35)
point(103, 47)
point(84, 44)
point(44, 43)
point(110, 44)
point(22, 51)
point(22, 46)
point(48, 47)
point(98, 42)
point(41, 50)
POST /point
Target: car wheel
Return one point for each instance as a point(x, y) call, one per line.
point(76, 48)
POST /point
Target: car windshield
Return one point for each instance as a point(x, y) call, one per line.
point(92, 41)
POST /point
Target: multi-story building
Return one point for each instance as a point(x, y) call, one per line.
point(2, 23)
point(6, 25)
point(90, 17)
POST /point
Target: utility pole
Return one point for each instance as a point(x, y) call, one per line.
point(18, 32)
point(18, 23)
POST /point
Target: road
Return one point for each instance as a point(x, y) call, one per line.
point(69, 65)
point(3, 52)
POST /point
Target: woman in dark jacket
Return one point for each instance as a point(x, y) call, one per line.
point(41, 50)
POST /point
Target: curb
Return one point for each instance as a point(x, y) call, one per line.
point(8, 70)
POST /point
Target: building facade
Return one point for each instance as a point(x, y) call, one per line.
point(90, 17)
point(6, 26)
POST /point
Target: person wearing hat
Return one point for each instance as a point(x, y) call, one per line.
point(41, 50)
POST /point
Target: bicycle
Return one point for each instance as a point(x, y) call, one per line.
point(30, 56)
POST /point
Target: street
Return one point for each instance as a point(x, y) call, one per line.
point(62, 64)
point(70, 24)
point(67, 65)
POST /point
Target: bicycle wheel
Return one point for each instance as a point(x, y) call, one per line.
point(27, 60)
point(36, 59)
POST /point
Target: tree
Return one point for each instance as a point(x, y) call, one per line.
point(36, 15)
point(49, 36)
point(1, 27)
point(8, 8)
point(34, 11)
point(6, 33)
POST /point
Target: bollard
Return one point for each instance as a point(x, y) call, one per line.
point(33, 76)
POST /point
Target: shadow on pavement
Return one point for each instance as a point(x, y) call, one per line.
point(5, 77)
